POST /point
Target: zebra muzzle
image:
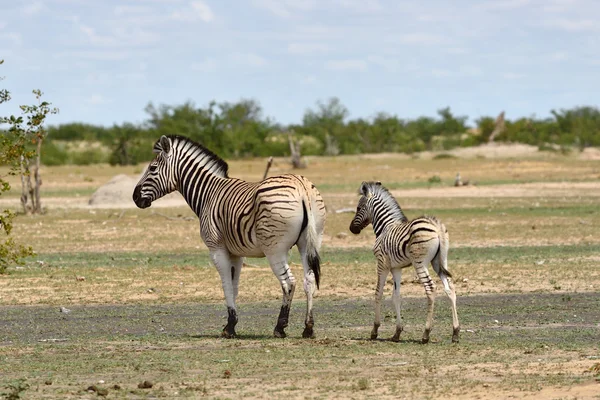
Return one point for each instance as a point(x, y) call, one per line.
point(355, 229)
point(141, 202)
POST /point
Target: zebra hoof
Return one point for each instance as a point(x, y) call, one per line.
point(373, 336)
point(228, 335)
point(455, 333)
point(279, 333)
point(308, 333)
point(395, 338)
point(425, 340)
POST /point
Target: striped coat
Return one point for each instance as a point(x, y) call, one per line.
point(242, 219)
point(401, 243)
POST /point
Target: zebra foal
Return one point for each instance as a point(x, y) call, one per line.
point(400, 243)
point(242, 219)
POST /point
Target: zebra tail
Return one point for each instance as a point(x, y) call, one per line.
point(312, 243)
point(444, 246)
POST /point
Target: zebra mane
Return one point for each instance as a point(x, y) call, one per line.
point(211, 161)
point(381, 192)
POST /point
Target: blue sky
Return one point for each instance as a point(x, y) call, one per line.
point(102, 62)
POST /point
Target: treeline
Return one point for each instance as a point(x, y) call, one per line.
point(240, 129)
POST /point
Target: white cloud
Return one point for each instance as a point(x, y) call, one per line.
point(273, 6)
point(558, 6)
point(285, 8)
point(440, 73)
point(96, 99)
point(249, 59)
point(346, 65)
point(33, 8)
point(422, 39)
point(389, 64)
point(470, 70)
point(360, 6)
point(498, 5)
point(197, 10)
point(98, 55)
point(119, 36)
point(207, 65)
point(14, 37)
point(127, 10)
point(572, 25)
point(308, 80)
point(559, 56)
point(307, 48)
point(511, 76)
point(457, 50)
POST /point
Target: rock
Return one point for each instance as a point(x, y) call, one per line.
point(145, 385)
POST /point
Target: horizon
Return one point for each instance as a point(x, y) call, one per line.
point(102, 63)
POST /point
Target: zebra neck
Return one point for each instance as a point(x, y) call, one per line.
point(382, 218)
point(197, 185)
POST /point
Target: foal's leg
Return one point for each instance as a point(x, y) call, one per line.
point(382, 274)
point(425, 279)
point(449, 290)
point(223, 262)
point(282, 271)
point(397, 275)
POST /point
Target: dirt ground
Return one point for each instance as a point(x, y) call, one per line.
point(536, 332)
point(550, 336)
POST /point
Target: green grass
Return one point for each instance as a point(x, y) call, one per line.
point(177, 348)
point(146, 304)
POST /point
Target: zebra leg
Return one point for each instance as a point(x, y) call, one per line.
point(425, 279)
point(236, 269)
point(397, 274)
point(223, 262)
point(310, 287)
point(381, 277)
point(449, 290)
point(281, 269)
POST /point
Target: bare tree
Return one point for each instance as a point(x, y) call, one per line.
point(269, 163)
point(295, 152)
point(498, 128)
point(34, 133)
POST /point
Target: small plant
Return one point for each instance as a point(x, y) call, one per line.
point(444, 156)
point(434, 179)
point(15, 389)
point(363, 384)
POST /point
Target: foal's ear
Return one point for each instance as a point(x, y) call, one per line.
point(165, 144)
point(378, 183)
point(364, 189)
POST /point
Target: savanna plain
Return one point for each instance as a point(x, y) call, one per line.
point(123, 303)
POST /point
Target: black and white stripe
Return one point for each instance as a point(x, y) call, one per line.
point(242, 219)
point(400, 243)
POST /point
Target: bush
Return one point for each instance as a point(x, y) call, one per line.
point(89, 156)
point(54, 154)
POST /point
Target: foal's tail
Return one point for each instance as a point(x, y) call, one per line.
point(442, 253)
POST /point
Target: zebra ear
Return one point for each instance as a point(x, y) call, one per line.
point(364, 189)
point(165, 144)
point(378, 183)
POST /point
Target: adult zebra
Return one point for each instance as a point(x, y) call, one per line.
point(242, 219)
point(400, 243)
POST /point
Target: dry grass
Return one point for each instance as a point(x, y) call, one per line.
point(529, 226)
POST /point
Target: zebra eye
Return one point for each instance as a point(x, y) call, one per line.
point(153, 168)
